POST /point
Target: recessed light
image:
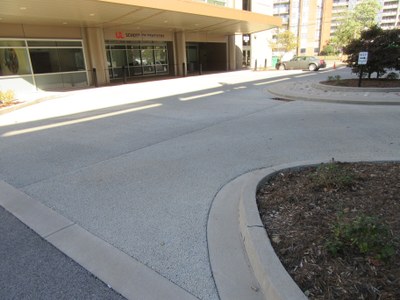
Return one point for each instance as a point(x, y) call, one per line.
point(22, 8)
point(92, 14)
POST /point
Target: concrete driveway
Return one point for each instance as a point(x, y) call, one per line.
point(138, 165)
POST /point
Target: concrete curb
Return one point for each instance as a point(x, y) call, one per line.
point(233, 275)
point(275, 282)
point(293, 96)
point(15, 107)
point(243, 262)
point(123, 273)
point(327, 87)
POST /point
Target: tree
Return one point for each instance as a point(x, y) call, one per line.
point(383, 47)
point(352, 22)
point(284, 41)
point(329, 49)
point(365, 14)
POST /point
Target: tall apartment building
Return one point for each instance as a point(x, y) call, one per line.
point(390, 14)
point(308, 20)
point(314, 21)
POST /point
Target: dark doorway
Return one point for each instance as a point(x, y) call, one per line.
point(210, 57)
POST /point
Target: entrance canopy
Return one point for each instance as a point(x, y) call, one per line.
point(144, 15)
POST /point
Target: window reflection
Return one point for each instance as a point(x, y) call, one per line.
point(136, 59)
point(14, 61)
point(50, 64)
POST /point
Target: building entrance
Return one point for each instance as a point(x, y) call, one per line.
point(210, 57)
point(127, 59)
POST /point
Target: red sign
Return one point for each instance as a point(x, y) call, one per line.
point(119, 35)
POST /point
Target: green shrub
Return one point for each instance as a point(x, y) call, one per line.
point(392, 76)
point(364, 234)
point(332, 176)
point(7, 97)
point(335, 78)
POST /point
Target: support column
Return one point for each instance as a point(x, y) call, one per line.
point(180, 53)
point(235, 52)
point(231, 53)
point(94, 39)
point(239, 51)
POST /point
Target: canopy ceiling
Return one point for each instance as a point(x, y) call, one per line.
point(145, 15)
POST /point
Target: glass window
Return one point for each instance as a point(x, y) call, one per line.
point(44, 60)
point(161, 56)
point(118, 47)
point(69, 44)
point(47, 43)
point(12, 43)
point(118, 58)
point(71, 60)
point(134, 58)
point(57, 60)
point(147, 55)
point(42, 43)
point(14, 61)
point(137, 58)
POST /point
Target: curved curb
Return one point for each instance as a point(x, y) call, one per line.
point(328, 87)
point(243, 265)
point(275, 282)
point(273, 278)
point(295, 97)
point(243, 261)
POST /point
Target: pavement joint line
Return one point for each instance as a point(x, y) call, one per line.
point(125, 274)
point(57, 231)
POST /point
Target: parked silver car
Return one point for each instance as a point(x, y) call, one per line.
point(302, 63)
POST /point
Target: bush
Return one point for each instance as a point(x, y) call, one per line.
point(7, 97)
point(329, 50)
point(334, 78)
point(364, 234)
point(392, 76)
point(332, 176)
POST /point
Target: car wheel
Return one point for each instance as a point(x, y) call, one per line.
point(282, 67)
point(312, 67)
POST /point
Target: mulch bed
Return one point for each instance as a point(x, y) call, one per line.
point(380, 83)
point(2, 105)
point(300, 217)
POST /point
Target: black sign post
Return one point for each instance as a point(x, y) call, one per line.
point(361, 74)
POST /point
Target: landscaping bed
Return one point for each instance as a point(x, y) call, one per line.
point(379, 83)
point(336, 228)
